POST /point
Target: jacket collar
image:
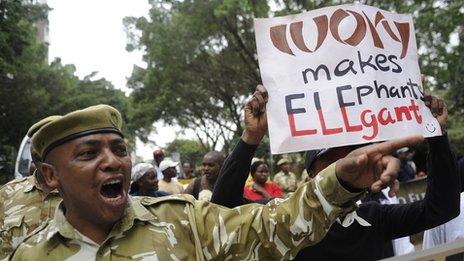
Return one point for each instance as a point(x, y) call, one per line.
point(134, 211)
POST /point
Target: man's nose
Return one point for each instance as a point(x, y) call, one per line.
point(111, 162)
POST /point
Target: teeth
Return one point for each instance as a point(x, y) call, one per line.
point(112, 182)
point(114, 199)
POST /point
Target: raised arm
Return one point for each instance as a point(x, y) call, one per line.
point(441, 202)
point(277, 230)
point(281, 228)
point(228, 190)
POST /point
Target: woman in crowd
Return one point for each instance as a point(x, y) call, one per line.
point(261, 190)
point(144, 181)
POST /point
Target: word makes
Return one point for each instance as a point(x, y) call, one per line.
point(278, 33)
point(379, 62)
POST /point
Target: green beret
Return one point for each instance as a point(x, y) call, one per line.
point(32, 130)
point(55, 130)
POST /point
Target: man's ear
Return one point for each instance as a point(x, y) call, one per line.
point(50, 175)
point(312, 173)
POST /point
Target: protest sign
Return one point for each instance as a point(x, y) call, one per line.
point(412, 190)
point(341, 75)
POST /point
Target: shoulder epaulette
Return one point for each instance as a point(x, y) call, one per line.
point(149, 201)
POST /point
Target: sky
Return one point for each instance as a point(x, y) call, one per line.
point(90, 34)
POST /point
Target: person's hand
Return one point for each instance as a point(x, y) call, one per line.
point(437, 106)
point(255, 116)
point(372, 166)
point(259, 189)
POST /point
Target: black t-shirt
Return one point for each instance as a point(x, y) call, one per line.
point(388, 222)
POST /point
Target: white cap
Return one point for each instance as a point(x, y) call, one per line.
point(139, 170)
point(167, 163)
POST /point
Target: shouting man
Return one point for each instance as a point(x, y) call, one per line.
point(85, 158)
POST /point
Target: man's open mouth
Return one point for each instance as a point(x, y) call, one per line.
point(112, 189)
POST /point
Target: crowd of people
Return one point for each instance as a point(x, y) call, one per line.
point(260, 186)
point(86, 200)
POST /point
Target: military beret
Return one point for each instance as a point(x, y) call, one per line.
point(41, 123)
point(55, 130)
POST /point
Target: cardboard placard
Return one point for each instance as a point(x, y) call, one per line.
point(341, 75)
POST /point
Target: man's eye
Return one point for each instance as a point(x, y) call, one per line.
point(121, 151)
point(87, 153)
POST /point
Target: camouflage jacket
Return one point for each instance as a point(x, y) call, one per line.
point(23, 207)
point(288, 183)
point(180, 228)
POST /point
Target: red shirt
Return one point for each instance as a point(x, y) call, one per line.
point(271, 188)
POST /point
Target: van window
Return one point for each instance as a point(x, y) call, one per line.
point(25, 159)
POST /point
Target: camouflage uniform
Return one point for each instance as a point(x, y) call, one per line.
point(23, 207)
point(180, 228)
point(287, 182)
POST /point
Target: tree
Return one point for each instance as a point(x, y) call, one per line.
point(52, 90)
point(456, 134)
point(191, 151)
point(22, 59)
point(31, 88)
point(201, 61)
point(200, 64)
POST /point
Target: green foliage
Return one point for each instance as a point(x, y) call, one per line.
point(22, 59)
point(202, 63)
point(31, 89)
point(51, 89)
point(264, 149)
point(456, 134)
point(17, 35)
point(190, 150)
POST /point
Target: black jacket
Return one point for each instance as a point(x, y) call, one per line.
point(388, 222)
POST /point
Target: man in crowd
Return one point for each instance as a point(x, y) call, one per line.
point(188, 170)
point(24, 204)
point(362, 234)
point(407, 171)
point(202, 187)
point(168, 184)
point(158, 156)
point(85, 158)
point(285, 178)
point(189, 175)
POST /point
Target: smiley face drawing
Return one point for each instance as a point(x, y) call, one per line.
point(430, 127)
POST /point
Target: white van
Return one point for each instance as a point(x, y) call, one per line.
point(24, 159)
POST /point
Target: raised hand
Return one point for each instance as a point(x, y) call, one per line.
point(437, 106)
point(372, 166)
point(255, 116)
